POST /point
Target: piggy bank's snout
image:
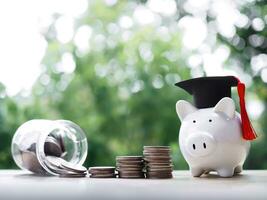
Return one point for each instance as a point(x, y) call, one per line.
point(200, 144)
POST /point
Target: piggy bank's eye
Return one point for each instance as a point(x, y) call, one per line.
point(194, 121)
point(210, 120)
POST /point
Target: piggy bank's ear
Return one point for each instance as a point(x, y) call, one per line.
point(227, 106)
point(183, 108)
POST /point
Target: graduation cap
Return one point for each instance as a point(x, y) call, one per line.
point(208, 91)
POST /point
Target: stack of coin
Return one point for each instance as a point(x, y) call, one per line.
point(102, 172)
point(64, 168)
point(158, 163)
point(130, 166)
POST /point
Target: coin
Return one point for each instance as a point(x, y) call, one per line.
point(129, 158)
point(52, 147)
point(102, 172)
point(59, 138)
point(72, 175)
point(64, 168)
point(102, 176)
point(130, 166)
point(156, 147)
point(102, 168)
point(131, 175)
point(157, 158)
point(159, 168)
point(159, 176)
point(55, 161)
point(73, 167)
point(30, 162)
point(129, 162)
point(54, 150)
point(135, 177)
point(156, 154)
point(158, 162)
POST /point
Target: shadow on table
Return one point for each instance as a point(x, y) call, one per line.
point(30, 175)
point(214, 175)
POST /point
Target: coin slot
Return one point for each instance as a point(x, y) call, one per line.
point(194, 146)
point(204, 145)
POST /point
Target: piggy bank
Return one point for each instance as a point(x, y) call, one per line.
point(210, 139)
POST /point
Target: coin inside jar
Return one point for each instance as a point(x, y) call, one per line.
point(54, 150)
point(37, 139)
point(64, 168)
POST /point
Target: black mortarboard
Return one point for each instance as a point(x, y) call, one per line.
point(208, 91)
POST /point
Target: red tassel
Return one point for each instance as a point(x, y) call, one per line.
point(247, 129)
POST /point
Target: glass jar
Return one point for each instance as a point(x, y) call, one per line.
point(37, 139)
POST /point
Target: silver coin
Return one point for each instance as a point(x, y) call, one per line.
point(131, 176)
point(104, 168)
point(73, 167)
point(55, 161)
point(103, 176)
point(129, 158)
point(31, 163)
point(64, 171)
point(157, 147)
point(62, 167)
point(72, 175)
point(52, 147)
point(101, 170)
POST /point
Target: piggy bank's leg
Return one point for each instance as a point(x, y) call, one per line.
point(226, 172)
point(196, 172)
point(238, 169)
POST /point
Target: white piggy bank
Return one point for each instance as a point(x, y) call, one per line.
point(210, 139)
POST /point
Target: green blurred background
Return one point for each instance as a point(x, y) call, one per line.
point(123, 62)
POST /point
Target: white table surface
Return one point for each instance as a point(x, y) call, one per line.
point(15, 184)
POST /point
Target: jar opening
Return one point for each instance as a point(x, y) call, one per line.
point(65, 141)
